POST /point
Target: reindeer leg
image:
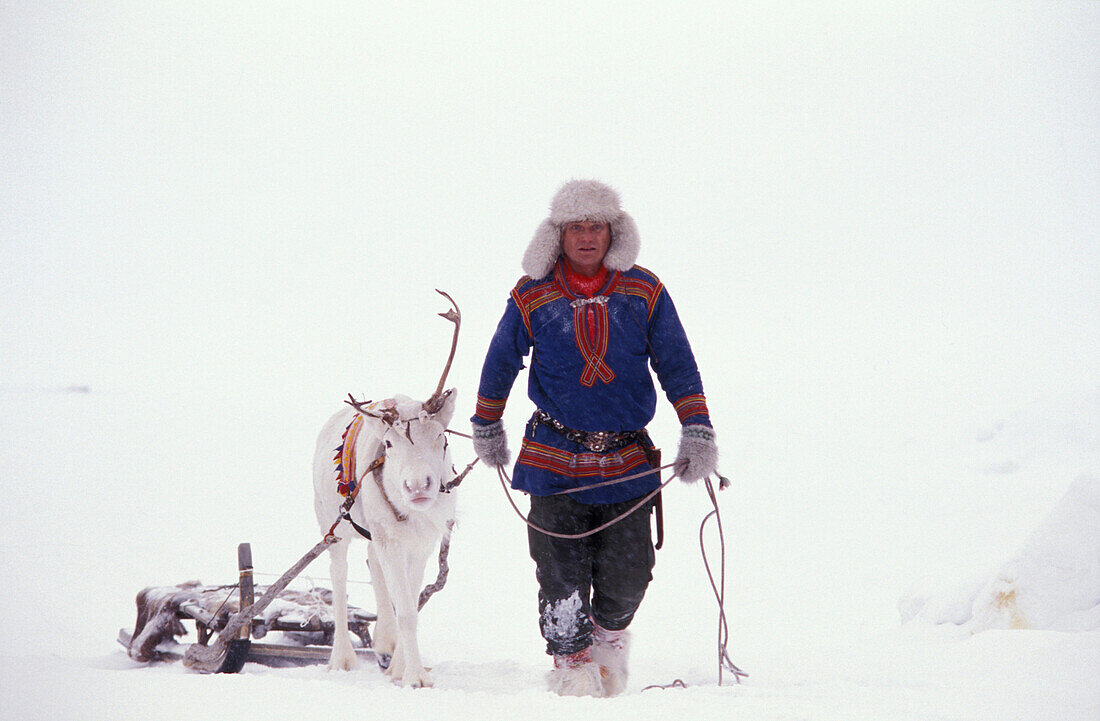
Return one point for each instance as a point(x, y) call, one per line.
point(385, 631)
point(404, 573)
point(343, 654)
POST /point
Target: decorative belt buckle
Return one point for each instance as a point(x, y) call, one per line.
point(598, 441)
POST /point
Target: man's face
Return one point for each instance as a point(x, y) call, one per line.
point(585, 243)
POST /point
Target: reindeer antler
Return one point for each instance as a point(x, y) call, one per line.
point(435, 402)
point(388, 415)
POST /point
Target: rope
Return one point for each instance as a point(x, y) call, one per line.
point(312, 580)
point(724, 662)
point(232, 589)
point(505, 481)
point(617, 480)
point(675, 684)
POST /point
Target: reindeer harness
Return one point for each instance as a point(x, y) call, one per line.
point(348, 482)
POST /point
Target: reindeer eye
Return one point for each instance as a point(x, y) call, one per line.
point(389, 444)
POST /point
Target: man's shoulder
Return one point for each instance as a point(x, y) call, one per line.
point(641, 282)
point(644, 275)
point(530, 293)
point(526, 283)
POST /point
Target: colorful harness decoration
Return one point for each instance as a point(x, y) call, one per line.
point(345, 458)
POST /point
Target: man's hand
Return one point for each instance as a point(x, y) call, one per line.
point(491, 444)
point(698, 454)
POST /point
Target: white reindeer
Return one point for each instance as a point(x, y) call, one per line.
point(402, 507)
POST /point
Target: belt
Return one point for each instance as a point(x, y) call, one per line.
point(595, 441)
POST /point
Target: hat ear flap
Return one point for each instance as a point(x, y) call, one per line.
point(625, 244)
point(543, 251)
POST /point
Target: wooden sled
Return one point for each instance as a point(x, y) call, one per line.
point(304, 618)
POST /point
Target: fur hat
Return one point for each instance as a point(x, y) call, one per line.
point(588, 200)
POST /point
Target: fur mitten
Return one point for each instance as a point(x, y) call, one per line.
point(698, 454)
point(491, 444)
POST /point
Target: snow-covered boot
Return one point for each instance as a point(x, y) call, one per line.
point(609, 651)
point(576, 675)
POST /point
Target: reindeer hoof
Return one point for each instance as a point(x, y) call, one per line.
point(343, 662)
point(419, 679)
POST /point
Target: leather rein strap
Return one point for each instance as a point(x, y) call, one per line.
point(345, 508)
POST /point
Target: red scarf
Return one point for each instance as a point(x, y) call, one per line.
point(583, 285)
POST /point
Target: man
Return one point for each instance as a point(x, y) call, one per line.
point(592, 322)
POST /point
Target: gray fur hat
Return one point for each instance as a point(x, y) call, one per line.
point(588, 200)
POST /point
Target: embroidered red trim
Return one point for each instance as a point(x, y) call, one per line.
point(593, 344)
point(581, 465)
point(691, 406)
point(489, 408)
point(590, 320)
point(649, 292)
point(530, 300)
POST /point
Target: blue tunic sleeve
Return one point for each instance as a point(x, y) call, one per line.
point(674, 363)
point(510, 344)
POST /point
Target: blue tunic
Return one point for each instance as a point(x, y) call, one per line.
point(589, 370)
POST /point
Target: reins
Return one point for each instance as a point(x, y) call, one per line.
point(345, 508)
point(505, 481)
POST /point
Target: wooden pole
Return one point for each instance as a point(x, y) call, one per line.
point(212, 658)
point(248, 593)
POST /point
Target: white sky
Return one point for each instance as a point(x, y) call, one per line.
point(889, 201)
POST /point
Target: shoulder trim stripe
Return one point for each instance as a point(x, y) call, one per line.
point(522, 309)
point(532, 298)
point(638, 287)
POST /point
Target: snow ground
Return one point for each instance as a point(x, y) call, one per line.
point(823, 648)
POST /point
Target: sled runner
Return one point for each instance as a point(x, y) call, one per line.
point(224, 637)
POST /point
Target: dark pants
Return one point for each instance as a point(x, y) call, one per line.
point(602, 577)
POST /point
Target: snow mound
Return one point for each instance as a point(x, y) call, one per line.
point(1052, 582)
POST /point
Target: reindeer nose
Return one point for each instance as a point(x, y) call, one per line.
point(419, 485)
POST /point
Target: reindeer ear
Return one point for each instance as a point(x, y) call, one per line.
point(447, 411)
